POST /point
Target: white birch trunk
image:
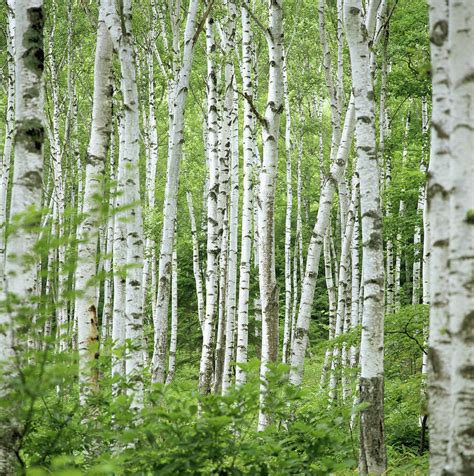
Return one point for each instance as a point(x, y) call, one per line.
point(417, 259)
point(108, 259)
point(266, 222)
point(372, 447)
point(231, 293)
point(289, 206)
point(9, 131)
point(118, 20)
point(174, 320)
point(401, 212)
point(344, 273)
point(247, 201)
point(213, 248)
point(196, 263)
point(461, 237)
point(332, 302)
point(26, 193)
point(119, 264)
point(178, 99)
point(355, 287)
point(438, 189)
point(85, 304)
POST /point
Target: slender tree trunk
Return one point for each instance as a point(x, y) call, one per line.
point(289, 206)
point(107, 309)
point(119, 264)
point(372, 445)
point(355, 287)
point(401, 212)
point(213, 248)
point(196, 263)
point(231, 297)
point(85, 305)
point(9, 131)
point(266, 222)
point(174, 320)
point(417, 259)
point(332, 302)
point(247, 200)
point(342, 287)
point(176, 139)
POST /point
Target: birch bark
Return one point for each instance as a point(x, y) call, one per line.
point(85, 303)
point(118, 20)
point(176, 138)
point(461, 237)
point(289, 206)
point(9, 131)
point(205, 369)
point(26, 193)
point(196, 263)
point(174, 320)
point(247, 200)
point(372, 447)
point(438, 189)
point(266, 223)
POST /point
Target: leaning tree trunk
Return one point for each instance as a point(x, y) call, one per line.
point(175, 150)
point(266, 219)
point(372, 447)
point(300, 340)
point(438, 188)
point(86, 295)
point(26, 194)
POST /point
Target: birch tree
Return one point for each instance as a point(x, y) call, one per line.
point(247, 200)
point(438, 188)
point(460, 451)
point(118, 20)
point(86, 281)
point(205, 368)
point(266, 224)
point(26, 195)
point(372, 447)
point(9, 131)
point(175, 146)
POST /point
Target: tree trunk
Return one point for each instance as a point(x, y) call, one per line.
point(26, 194)
point(86, 295)
point(9, 131)
point(249, 146)
point(461, 238)
point(372, 446)
point(177, 99)
point(174, 320)
point(266, 222)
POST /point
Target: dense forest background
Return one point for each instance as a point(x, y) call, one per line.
point(98, 384)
